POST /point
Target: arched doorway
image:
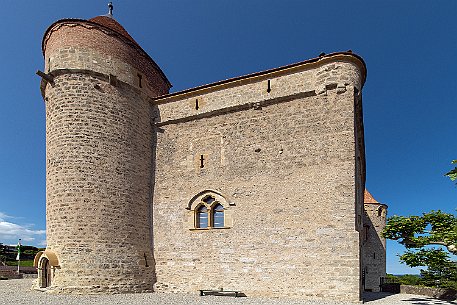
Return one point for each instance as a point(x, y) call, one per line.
point(44, 273)
point(46, 262)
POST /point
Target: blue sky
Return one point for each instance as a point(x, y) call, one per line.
point(410, 49)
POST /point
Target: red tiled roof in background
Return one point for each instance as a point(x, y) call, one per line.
point(368, 198)
point(112, 24)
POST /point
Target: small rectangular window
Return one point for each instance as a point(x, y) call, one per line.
point(366, 232)
point(140, 80)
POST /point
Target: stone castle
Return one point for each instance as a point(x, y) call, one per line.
point(252, 184)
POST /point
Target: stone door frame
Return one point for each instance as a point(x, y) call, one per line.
point(44, 273)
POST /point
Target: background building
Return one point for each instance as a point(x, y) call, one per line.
point(373, 243)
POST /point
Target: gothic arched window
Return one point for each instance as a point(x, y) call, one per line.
point(209, 210)
point(202, 217)
point(218, 216)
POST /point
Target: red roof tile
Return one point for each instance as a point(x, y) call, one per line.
point(368, 198)
point(112, 24)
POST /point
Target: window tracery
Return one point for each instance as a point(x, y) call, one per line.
point(209, 210)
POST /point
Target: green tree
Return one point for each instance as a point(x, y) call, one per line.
point(416, 233)
point(2, 254)
point(452, 174)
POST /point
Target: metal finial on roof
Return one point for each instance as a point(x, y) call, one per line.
point(110, 7)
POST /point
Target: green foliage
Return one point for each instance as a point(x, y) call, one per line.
point(426, 257)
point(441, 271)
point(8, 255)
point(452, 174)
point(29, 252)
point(410, 279)
point(433, 278)
point(31, 249)
point(434, 227)
point(392, 278)
point(2, 254)
point(418, 232)
point(407, 279)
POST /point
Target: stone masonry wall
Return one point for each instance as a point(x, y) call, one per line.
point(314, 79)
point(99, 147)
point(374, 245)
point(448, 294)
point(285, 163)
point(99, 150)
point(76, 45)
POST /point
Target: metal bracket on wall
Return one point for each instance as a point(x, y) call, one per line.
point(46, 77)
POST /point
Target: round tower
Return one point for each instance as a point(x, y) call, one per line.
point(97, 86)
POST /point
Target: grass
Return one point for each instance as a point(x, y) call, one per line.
point(27, 263)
